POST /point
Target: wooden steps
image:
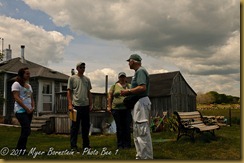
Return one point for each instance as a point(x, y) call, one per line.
point(38, 122)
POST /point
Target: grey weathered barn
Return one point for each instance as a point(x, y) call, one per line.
point(170, 92)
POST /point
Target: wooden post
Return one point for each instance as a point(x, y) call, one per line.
point(230, 116)
point(106, 91)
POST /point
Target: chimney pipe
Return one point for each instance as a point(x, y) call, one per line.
point(22, 51)
point(8, 53)
point(22, 54)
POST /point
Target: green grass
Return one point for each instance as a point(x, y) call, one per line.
point(226, 146)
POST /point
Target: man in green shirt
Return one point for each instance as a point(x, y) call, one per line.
point(80, 99)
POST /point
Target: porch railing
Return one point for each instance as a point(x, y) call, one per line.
point(61, 103)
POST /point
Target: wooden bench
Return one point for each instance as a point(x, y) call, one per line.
point(191, 122)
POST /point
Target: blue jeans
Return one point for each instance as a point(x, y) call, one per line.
point(25, 121)
point(83, 118)
point(123, 121)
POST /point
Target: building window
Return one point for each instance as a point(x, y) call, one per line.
point(47, 88)
point(47, 96)
point(63, 87)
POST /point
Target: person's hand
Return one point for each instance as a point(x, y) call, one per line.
point(29, 111)
point(125, 92)
point(109, 109)
point(90, 106)
point(122, 92)
point(70, 108)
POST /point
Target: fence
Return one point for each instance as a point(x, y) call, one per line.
point(61, 120)
point(61, 103)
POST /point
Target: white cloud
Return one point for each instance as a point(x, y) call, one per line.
point(155, 71)
point(219, 83)
point(98, 78)
point(187, 29)
point(198, 37)
point(40, 46)
point(224, 59)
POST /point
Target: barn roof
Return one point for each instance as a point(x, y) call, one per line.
point(161, 84)
point(36, 70)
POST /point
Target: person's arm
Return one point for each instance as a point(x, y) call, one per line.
point(70, 106)
point(32, 102)
point(32, 99)
point(136, 90)
point(69, 94)
point(110, 95)
point(20, 102)
point(90, 100)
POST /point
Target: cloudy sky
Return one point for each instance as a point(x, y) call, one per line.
point(201, 39)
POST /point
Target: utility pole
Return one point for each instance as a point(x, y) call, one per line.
point(1, 55)
point(2, 44)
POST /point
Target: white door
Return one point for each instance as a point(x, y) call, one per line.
point(46, 96)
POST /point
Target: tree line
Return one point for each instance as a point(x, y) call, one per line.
point(213, 97)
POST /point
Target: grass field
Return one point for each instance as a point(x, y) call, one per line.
point(230, 112)
point(226, 146)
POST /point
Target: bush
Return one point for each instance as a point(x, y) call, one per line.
point(171, 123)
point(164, 123)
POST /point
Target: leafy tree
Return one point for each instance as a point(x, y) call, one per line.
point(213, 97)
point(205, 98)
point(222, 98)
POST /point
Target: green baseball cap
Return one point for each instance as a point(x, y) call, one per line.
point(135, 57)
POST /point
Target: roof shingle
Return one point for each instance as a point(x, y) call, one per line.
point(36, 70)
point(161, 84)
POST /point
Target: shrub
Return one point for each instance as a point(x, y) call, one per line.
point(171, 123)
